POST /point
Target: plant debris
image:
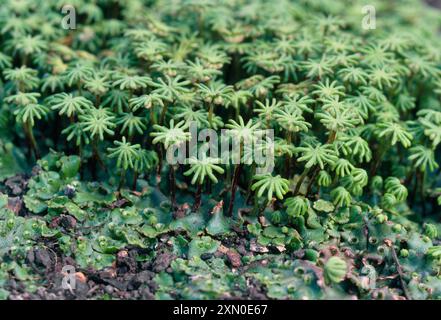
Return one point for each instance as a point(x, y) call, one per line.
point(346, 206)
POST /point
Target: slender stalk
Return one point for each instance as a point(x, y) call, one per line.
point(172, 186)
point(80, 154)
point(255, 206)
point(378, 158)
point(80, 93)
point(31, 139)
point(135, 179)
point(228, 174)
point(159, 169)
point(311, 182)
point(408, 178)
point(263, 207)
point(152, 116)
point(413, 191)
point(249, 195)
point(400, 272)
point(96, 157)
point(200, 23)
point(287, 157)
point(122, 178)
point(301, 179)
point(130, 137)
point(249, 191)
point(164, 112)
point(422, 178)
point(97, 100)
point(209, 186)
point(332, 137)
point(366, 231)
point(210, 114)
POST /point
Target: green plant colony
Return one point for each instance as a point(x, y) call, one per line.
point(352, 208)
